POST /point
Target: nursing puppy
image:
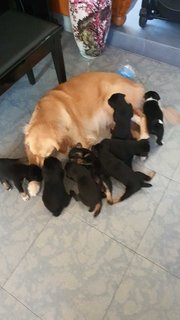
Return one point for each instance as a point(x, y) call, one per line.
point(12, 170)
point(133, 181)
point(87, 158)
point(122, 115)
point(55, 197)
point(125, 150)
point(88, 191)
point(154, 115)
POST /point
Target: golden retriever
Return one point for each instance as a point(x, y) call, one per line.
point(78, 111)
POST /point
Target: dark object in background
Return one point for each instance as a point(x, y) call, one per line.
point(37, 8)
point(159, 9)
point(26, 40)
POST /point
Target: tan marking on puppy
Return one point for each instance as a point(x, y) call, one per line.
point(97, 209)
point(33, 188)
point(24, 196)
point(151, 173)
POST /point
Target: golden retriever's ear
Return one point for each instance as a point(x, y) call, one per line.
point(66, 143)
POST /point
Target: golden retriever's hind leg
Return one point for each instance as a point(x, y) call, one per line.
point(143, 128)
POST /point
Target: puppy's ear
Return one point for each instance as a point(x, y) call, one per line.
point(156, 96)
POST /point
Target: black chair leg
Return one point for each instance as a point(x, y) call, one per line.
point(31, 77)
point(58, 60)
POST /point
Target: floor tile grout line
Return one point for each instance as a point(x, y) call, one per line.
point(155, 211)
point(21, 303)
point(134, 251)
point(26, 252)
point(118, 286)
point(137, 253)
point(158, 265)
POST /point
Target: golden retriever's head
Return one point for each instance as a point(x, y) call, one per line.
point(41, 142)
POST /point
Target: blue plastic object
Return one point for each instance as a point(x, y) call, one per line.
point(127, 71)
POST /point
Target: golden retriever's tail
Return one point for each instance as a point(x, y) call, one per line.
point(171, 115)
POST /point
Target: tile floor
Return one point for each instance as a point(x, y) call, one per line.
point(123, 265)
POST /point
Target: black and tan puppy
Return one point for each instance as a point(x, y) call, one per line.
point(154, 115)
point(54, 196)
point(125, 150)
point(88, 191)
point(87, 158)
point(122, 115)
point(12, 170)
point(116, 168)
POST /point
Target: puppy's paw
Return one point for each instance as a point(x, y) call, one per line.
point(151, 174)
point(33, 188)
point(25, 196)
point(160, 143)
point(116, 200)
point(143, 158)
point(7, 186)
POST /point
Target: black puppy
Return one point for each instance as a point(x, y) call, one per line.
point(54, 196)
point(154, 115)
point(87, 158)
point(117, 169)
point(122, 115)
point(12, 170)
point(88, 191)
point(126, 149)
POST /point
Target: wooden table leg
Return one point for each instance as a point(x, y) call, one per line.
point(119, 10)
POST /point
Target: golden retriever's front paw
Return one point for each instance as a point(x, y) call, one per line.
point(33, 188)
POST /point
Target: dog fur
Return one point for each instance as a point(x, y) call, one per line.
point(87, 158)
point(55, 197)
point(78, 111)
point(12, 170)
point(123, 112)
point(133, 181)
point(154, 115)
point(88, 191)
point(125, 150)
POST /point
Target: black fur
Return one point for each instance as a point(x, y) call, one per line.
point(123, 113)
point(87, 158)
point(126, 149)
point(154, 115)
point(54, 196)
point(117, 169)
point(89, 191)
point(12, 170)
